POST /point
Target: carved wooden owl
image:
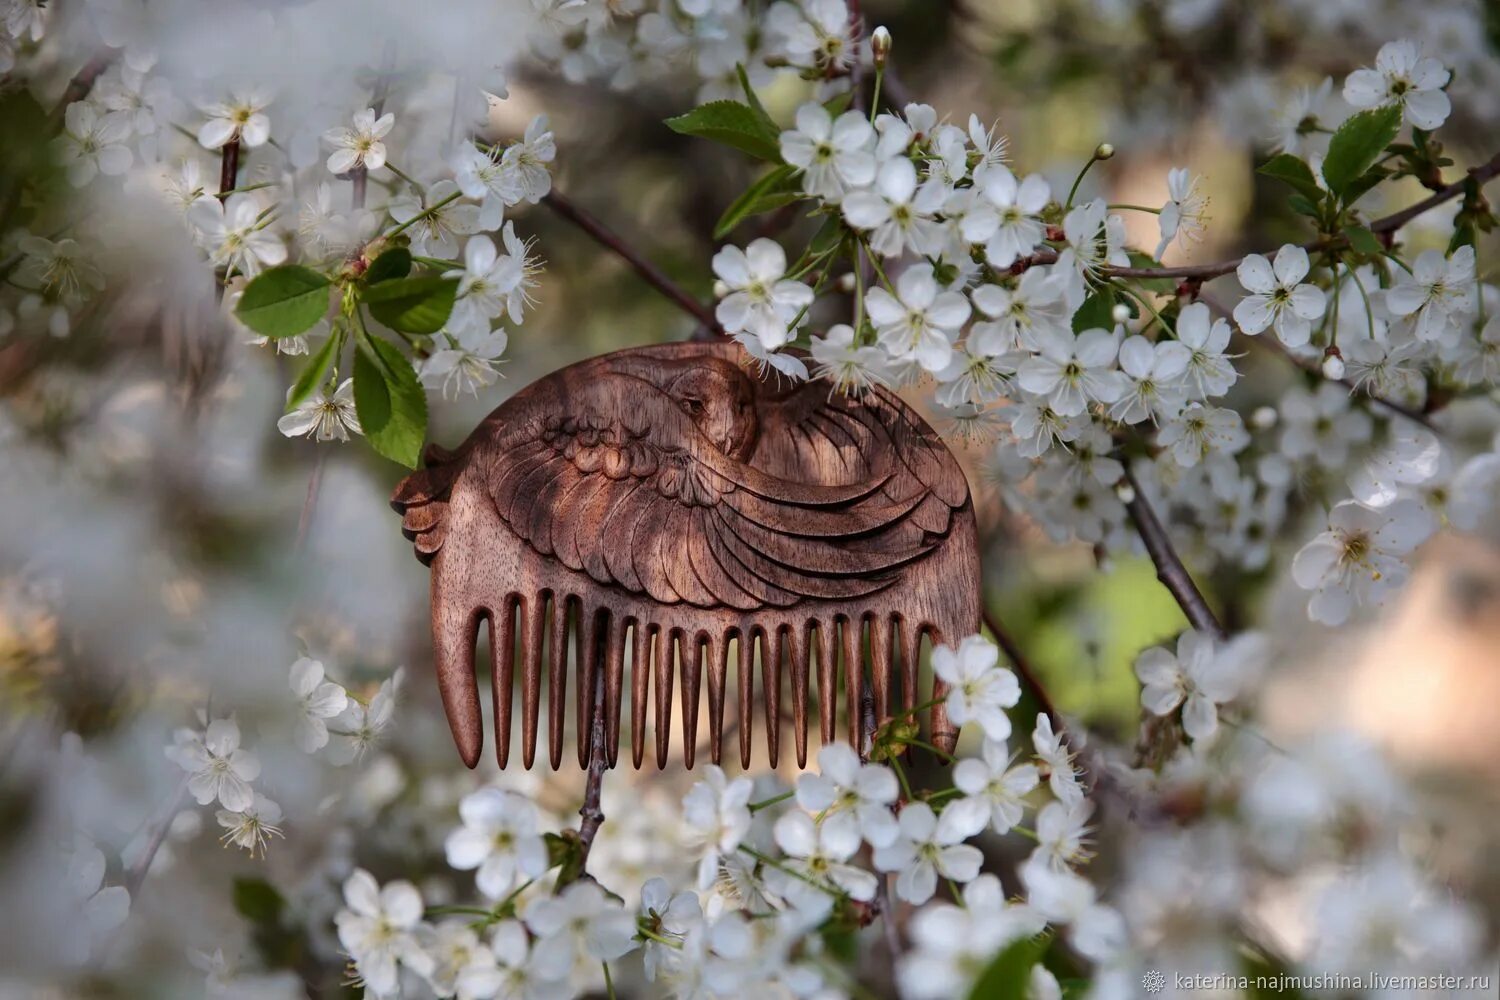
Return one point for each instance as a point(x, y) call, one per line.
point(667, 500)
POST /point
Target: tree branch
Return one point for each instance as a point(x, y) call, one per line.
point(136, 876)
point(1169, 568)
point(653, 275)
point(591, 812)
point(1024, 670)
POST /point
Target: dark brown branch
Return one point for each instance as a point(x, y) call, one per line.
point(136, 876)
point(653, 275)
point(229, 167)
point(1169, 568)
point(82, 82)
point(1024, 670)
point(591, 812)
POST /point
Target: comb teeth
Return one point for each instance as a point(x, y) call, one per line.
point(556, 631)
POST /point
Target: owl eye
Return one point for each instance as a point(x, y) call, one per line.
point(693, 406)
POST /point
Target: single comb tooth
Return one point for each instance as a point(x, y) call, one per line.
point(662, 663)
point(587, 655)
point(882, 640)
point(747, 695)
point(533, 628)
point(455, 629)
point(828, 678)
point(503, 673)
point(911, 652)
point(557, 679)
point(799, 638)
point(692, 673)
point(944, 732)
point(718, 673)
point(854, 676)
point(640, 676)
point(614, 680)
point(770, 681)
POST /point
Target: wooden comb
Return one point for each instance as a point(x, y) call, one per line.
point(666, 501)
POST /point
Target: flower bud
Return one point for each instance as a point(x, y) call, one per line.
point(1125, 491)
point(1103, 151)
point(846, 282)
point(720, 289)
point(880, 46)
point(1264, 418)
point(1333, 364)
point(1121, 312)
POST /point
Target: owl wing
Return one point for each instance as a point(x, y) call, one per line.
point(615, 481)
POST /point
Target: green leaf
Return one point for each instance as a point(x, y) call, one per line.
point(1356, 145)
point(1289, 169)
point(1302, 206)
point(838, 103)
point(1162, 286)
point(1363, 241)
point(391, 404)
point(1009, 973)
point(1097, 312)
point(257, 901)
point(284, 301)
point(771, 192)
point(753, 99)
point(393, 263)
point(733, 124)
point(829, 233)
point(315, 372)
point(413, 305)
point(1364, 182)
point(565, 853)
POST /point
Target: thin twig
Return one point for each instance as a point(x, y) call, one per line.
point(310, 501)
point(1024, 670)
point(1169, 568)
point(591, 813)
point(229, 167)
point(653, 275)
point(136, 876)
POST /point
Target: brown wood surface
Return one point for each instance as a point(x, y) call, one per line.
point(701, 517)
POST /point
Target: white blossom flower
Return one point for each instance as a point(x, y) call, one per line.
point(761, 300)
point(1198, 432)
point(854, 369)
point(974, 377)
point(455, 949)
point(1006, 217)
point(219, 769)
point(481, 175)
point(436, 221)
point(921, 321)
point(323, 416)
point(1183, 217)
point(1195, 677)
point(360, 146)
point(93, 144)
point(1021, 316)
point(953, 943)
point(1436, 294)
point(979, 689)
point(1412, 456)
point(1279, 296)
point(1094, 239)
point(1473, 490)
point(1062, 833)
point(467, 364)
point(994, 790)
point(669, 917)
point(499, 838)
point(251, 827)
point(377, 927)
point(1209, 369)
point(820, 853)
point(527, 161)
point(1037, 426)
point(833, 156)
point(242, 116)
point(1057, 761)
point(235, 234)
point(896, 212)
point(518, 970)
point(1402, 77)
point(485, 282)
point(1297, 121)
point(1064, 897)
point(143, 103)
point(991, 147)
point(1360, 557)
point(926, 847)
point(318, 700)
point(716, 818)
point(61, 268)
point(1153, 374)
point(1071, 370)
point(1322, 424)
point(362, 726)
point(764, 360)
point(580, 922)
point(853, 798)
point(811, 33)
point(91, 908)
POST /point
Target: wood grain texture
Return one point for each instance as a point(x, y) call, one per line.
point(667, 504)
